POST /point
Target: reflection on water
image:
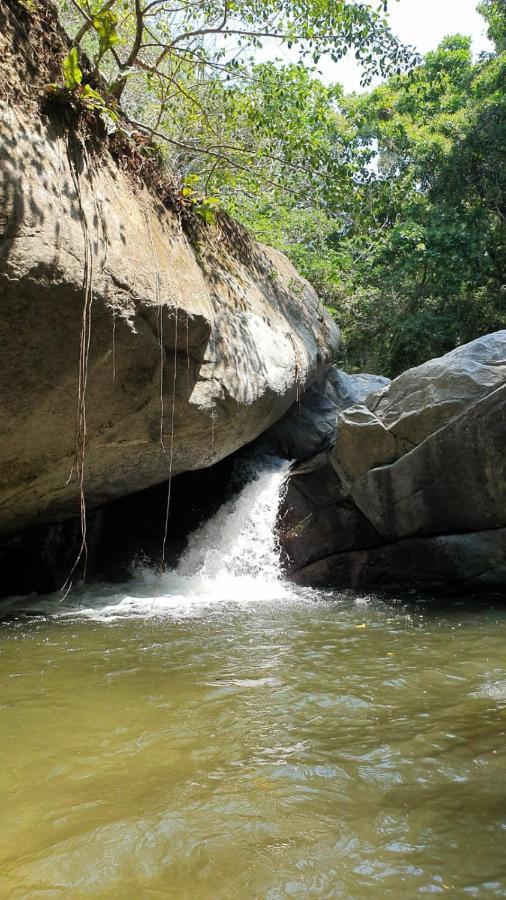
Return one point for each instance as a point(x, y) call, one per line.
point(304, 746)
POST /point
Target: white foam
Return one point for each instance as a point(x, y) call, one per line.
point(231, 559)
point(493, 688)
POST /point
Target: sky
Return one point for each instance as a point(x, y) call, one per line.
point(422, 23)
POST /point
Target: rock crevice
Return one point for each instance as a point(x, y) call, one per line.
point(413, 490)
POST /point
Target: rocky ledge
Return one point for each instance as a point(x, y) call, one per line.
point(413, 491)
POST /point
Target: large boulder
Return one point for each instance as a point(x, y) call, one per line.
point(414, 489)
point(191, 343)
point(309, 426)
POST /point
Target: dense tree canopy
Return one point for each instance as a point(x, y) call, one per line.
point(433, 274)
point(391, 202)
point(164, 62)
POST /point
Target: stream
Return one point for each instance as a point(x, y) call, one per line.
point(215, 732)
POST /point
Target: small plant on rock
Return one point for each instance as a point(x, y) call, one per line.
point(78, 94)
point(203, 206)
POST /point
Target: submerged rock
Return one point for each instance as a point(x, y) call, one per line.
point(190, 348)
point(414, 488)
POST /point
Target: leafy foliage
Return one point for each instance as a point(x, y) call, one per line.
point(167, 63)
point(494, 11)
point(105, 23)
point(434, 273)
point(30, 5)
point(400, 220)
point(391, 202)
point(78, 94)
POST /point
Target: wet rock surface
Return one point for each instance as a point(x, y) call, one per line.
point(414, 489)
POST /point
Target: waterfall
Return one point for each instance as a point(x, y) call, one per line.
point(239, 540)
point(231, 558)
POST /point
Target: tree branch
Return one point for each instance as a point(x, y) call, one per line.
point(89, 21)
point(139, 28)
point(213, 153)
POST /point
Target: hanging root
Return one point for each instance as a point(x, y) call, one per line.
point(171, 453)
point(162, 360)
point(113, 344)
point(298, 371)
point(213, 425)
point(84, 351)
point(188, 354)
point(160, 311)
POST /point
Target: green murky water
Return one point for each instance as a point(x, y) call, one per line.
point(300, 747)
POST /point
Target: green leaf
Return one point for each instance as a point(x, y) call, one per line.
point(104, 24)
point(30, 5)
point(88, 93)
point(208, 215)
point(71, 71)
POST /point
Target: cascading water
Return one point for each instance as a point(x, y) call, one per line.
point(233, 557)
point(239, 540)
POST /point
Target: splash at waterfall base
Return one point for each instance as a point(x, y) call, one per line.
point(232, 557)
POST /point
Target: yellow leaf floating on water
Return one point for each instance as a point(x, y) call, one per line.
point(364, 625)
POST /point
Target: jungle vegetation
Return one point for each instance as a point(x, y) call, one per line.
point(391, 201)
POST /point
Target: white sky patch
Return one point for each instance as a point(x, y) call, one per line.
point(422, 23)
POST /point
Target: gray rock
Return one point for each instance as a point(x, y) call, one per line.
point(424, 464)
point(461, 561)
point(426, 398)
point(362, 442)
point(309, 426)
point(454, 481)
point(194, 348)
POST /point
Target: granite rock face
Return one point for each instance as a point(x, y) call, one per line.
point(193, 345)
point(309, 426)
point(413, 491)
